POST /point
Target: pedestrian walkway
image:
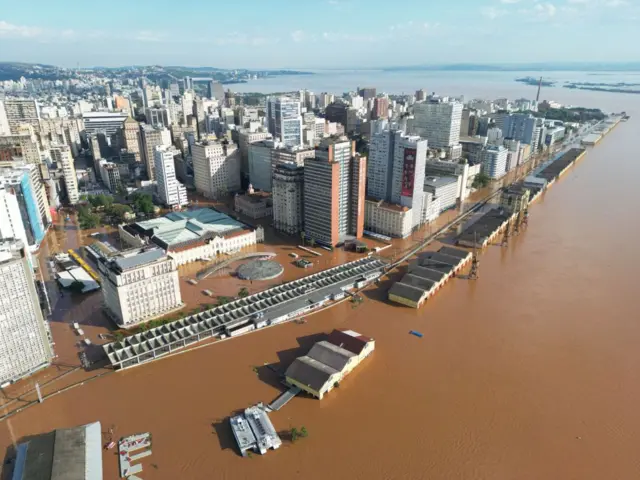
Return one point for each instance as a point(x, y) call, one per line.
point(283, 399)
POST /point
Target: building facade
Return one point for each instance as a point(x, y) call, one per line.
point(437, 121)
point(25, 339)
point(494, 161)
point(153, 137)
point(171, 192)
point(445, 189)
point(132, 140)
point(139, 285)
point(61, 154)
point(21, 111)
point(287, 195)
point(388, 219)
point(216, 168)
point(334, 192)
point(285, 120)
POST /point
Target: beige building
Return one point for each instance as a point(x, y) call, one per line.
point(253, 204)
point(132, 140)
point(139, 285)
point(153, 137)
point(216, 168)
point(61, 154)
point(387, 218)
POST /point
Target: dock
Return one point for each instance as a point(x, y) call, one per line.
point(283, 399)
point(126, 447)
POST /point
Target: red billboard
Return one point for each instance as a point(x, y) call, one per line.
point(408, 171)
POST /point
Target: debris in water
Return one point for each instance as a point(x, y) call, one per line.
point(417, 334)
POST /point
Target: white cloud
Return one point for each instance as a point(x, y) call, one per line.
point(298, 36)
point(616, 3)
point(9, 30)
point(509, 2)
point(492, 12)
point(148, 36)
point(545, 9)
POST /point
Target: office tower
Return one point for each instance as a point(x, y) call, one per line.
point(310, 100)
point(139, 285)
point(287, 197)
point(215, 90)
point(61, 154)
point(199, 112)
point(380, 108)
point(158, 116)
point(107, 122)
point(5, 129)
point(171, 192)
point(367, 92)
point(285, 120)
point(245, 139)
point(523, 127)
point(110, 174)
point(395, 168)
point(438, 122)
point(494, 161)
point(325, 99)
point(151, 138)
point(19, 183)
point(337, 112)
point(465, 122)
point(174, 89)
point(421, 95)
point(132, 141)
point(216, 168)
point(151, 96)
point(25, 339)
point(186, 84)
point(334, 192)
point(21, 111)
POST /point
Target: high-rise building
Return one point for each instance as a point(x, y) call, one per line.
point(5, 129)
point(522, 127)
point(21, 111)
point(25, 339)
point(139, 285)
point(367, 92)
point(215, 90)
point(216, 168)
point(171, 192)
point(437, 121)
point(21, 146)
point(395, 168)
point(494, 161)
point(61, 154)
point(106, 122)
point(265, 155)
point(110, 174)
point(380, 108)
point(19, 184)
point(285, 120)
point(287, 196)
point(158, 116)
point(245, 139)
point(421, 95)
point(132, 141)
point(334, 192)
point(151, 138)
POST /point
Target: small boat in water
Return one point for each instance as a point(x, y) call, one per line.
point(417, 334)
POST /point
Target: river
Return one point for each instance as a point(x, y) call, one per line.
point(528, 373)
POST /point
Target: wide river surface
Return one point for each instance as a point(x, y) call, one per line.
point(529, 373)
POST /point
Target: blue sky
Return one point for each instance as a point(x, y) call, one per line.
point(317, 33)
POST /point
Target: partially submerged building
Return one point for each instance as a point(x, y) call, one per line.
point(254, 431)
point(64, 454)
point(328, 362)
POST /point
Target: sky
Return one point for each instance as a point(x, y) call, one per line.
point(313, 34)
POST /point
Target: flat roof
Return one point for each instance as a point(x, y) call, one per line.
point(438, 181)
point(135, 258)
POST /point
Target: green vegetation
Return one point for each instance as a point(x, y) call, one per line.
point(243, 292)
point(481, 180)
point(224, 300)
point(76, 286)
point(577, 114)
point(100, 200)
point(87, 218)
point(295, 433)
point(143, 202)
point(118, 212)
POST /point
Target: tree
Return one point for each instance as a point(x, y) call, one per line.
point(119, 211)
point(76, 286)
point(481, 180)
point(87, 218)
point(302, 236)
point(143, 202)
point(243, 292)
point(294, 434)
point(303, 432)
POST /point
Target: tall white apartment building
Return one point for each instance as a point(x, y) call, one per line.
point(11, 222)
point(287, 197)
point(25, 339)
point(494, 161)
point(395, 169)
point(285, 120)
point(216, 168)
point(437, 121)
point(171, 192)
point(152, 137)
point(139, 285)
point(61, 154)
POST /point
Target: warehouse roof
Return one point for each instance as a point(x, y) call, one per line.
point(332, 355)
point(349, 340)
point(418, 282)
point(409, 292)
point(310, 372)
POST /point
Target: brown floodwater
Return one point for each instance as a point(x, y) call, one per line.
point(528, 373)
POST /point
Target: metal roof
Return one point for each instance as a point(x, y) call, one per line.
point(138, 259)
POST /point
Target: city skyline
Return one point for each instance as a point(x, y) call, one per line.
point(367, 35)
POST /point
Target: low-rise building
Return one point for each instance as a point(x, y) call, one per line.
point(515, 198)
point(387, 219)
point(253, 204)
point(443, 188)
point(253, 430)
point(192, 235)
point(139, 284)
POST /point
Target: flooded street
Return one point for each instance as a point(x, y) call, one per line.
point(528, 373)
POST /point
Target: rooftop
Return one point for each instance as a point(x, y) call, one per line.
point(330, 354)
point(310, 372)
point(437, 182)
point(388, 206)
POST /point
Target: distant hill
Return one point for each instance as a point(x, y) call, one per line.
point(524, 67)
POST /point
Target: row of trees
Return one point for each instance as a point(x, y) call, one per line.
point(102, 206)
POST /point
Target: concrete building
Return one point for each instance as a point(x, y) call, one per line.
point(287, 195)
point(445, 189)
point(367, 92)
point(253, 204)
point(139, 285)
point(523, 127)
point(192, 235)
point(285, 120)
point(132, 138)
point(334, 192)
point(69, 454)
point(254, 431)
point(494, 161)
point(265, 155)
point(22, 146)
point(380, 108)
point(22, 184)
point(110, 175)
point(5, 129)
point(216, 168)
point(153, 137)
point(21, 111)
point(329, 362)
point(395, 168)
point(437, 121)
point(25, 339)
point(107, 122)
point(464, 172)
point(171, 192)
point(245, 139)
point(158, 116)
point(388, 219)
point(515, 199)
point(61, 154)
